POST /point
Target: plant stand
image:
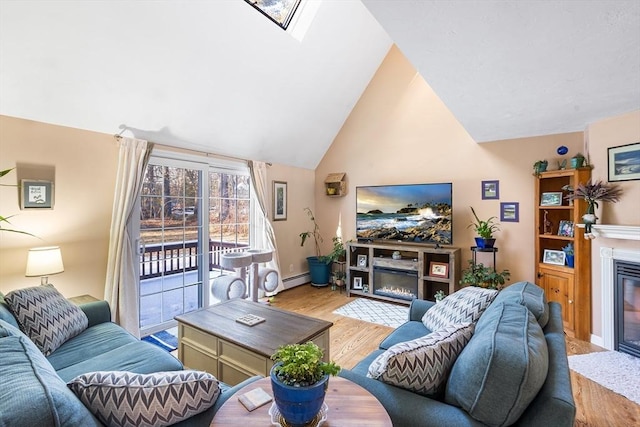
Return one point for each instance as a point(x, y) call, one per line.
point(475, 250)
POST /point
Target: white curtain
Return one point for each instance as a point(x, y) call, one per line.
point(121, 290)
point(264, 237)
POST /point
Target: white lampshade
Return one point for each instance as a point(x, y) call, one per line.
point(43, 262)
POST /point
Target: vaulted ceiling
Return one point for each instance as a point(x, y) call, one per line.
point(217, 76)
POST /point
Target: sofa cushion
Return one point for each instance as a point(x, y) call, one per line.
point(503, 367)
point(529, 295)
point(422, 365)
point(31, 394)
point(46, 316)
point(463, 306)
point(158, 399)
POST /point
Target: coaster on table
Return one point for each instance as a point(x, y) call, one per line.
point(250, 319)
point(254, 399)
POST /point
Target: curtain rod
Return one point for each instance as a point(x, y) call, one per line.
point(119, 136)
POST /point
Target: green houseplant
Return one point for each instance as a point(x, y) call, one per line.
point(540, 166)
point(484, 277)
point(299, 380)
point(485, 230)
point(320, 265)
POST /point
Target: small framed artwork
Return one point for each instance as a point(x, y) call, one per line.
point(362, 261)
point(510, 212)
point(551, 199)
point(439, 269)
point(554, 257)
point(624, 162)
point(279, 201)
point(565, 228)
point(36, 194)
point(490, 190)
point(357, 283)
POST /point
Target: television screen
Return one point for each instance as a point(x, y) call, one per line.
point(409, 213)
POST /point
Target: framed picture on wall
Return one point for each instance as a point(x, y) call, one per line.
point(279, 201)
point(624, 162)
point(36, 194)
point(490, 190)
point(510, 212)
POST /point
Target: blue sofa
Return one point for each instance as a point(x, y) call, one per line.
point(33, 388)
point(553, 405)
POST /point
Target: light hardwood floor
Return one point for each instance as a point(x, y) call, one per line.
point(351, 340)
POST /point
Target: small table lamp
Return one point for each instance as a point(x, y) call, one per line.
point(43, 262)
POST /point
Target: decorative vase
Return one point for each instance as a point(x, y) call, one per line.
point(483, 243)
point(396, 255)
point(298, 405)
point(569, 260)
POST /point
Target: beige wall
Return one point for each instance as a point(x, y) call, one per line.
point(401, 132)
point(612, 132)
point(83, 166)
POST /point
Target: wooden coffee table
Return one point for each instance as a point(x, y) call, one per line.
point(349, 405)
point(212, 340)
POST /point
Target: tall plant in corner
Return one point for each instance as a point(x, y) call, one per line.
point(319, 265)
point(4, 220)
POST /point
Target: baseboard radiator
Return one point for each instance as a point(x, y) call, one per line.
point(293, 281)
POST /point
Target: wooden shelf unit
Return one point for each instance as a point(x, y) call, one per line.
point(571, 287)
point(415, 259)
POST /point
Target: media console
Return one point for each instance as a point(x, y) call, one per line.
point(400, 272)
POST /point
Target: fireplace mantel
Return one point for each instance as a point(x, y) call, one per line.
point(626, 232)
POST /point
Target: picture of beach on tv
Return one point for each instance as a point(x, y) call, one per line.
point(420, 213)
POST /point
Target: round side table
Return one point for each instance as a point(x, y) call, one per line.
point(349, 405)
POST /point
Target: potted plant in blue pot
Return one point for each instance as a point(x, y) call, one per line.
point(299, 381)
point(485, 230)
point(320, 265)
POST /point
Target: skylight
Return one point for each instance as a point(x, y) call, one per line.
point(279, 11)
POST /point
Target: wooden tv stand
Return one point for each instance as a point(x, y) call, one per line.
point(432, 268)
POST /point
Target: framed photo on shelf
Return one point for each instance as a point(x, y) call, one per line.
point(357, 283)
point(554, 257)
point(490, 190)
point(510, 212)
point(279, 201)
point(36, 194)
point(365, 289)
point(439, 269)
point(624, 162)
point(362, 261)
point(551, 199)
point(565, 228)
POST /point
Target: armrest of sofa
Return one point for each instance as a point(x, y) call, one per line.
point(97, 312)
point(418, 308)
point(411, 409)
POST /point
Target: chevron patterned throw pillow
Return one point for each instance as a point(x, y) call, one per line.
point(466, 305)
point(46, 316)
point(120, 398)
point(422, 365)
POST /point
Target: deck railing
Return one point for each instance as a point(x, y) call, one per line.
point(173, 258)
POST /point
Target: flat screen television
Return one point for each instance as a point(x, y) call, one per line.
point(420, 213)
